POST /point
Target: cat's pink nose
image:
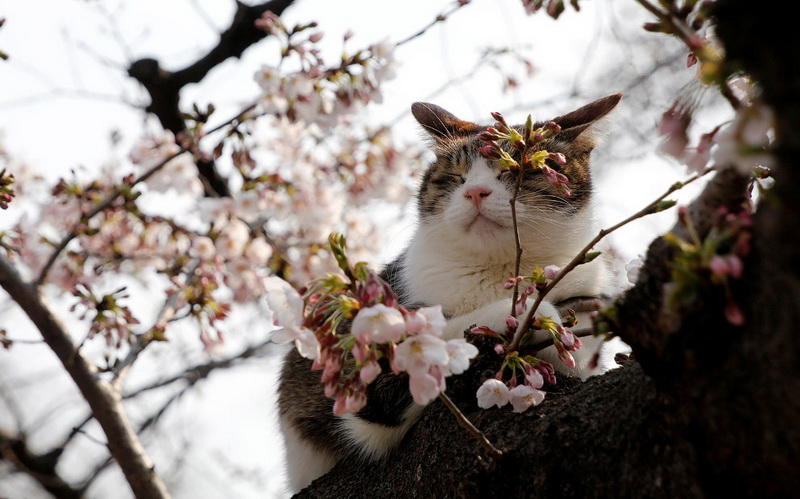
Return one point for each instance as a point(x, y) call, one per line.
point(477, 194)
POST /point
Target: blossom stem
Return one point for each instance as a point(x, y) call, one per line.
point(117, 192)
point(475, 432)
point(517, 244)
point(651, 208)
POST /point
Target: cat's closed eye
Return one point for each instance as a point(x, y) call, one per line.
point(448, 178)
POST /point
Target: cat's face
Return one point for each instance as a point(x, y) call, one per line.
point(466, 197)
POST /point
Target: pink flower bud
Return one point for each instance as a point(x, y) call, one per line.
point(551, 271)
point(499, 117)
point(489, 151)
point(483, 331)
point(330, 390)
point(547, 371)
point(339, 405)
point(733, 313)
point(719, 266)
point(509, 283)
point(360, 352)
point(735, 266)
point(331, 370)
point(369, 372)
point(567, 358)
point(512, 322)
point(558, 158)
point(568, 339)
point(499, 349)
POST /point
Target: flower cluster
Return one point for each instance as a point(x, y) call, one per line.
point(6, 189)
point(109, 318)
point(715, 260)
point(195, 294)
point(554, 8)
point(353, 328)
point(534, 371)
point(178, 175)
point(318, 93)
point(743, 143)
point(523, 144)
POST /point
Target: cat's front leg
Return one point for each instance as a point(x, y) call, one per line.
point(494, 316)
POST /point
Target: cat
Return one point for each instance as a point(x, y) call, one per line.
point(459, 257)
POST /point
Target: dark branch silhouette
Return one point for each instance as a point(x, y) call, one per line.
point(164, 87)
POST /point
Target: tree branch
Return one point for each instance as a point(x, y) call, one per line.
point(438, 19)
point(104, 402)
point(40, 467)
point(164, 86)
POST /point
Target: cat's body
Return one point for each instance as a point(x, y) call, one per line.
point(460, 256)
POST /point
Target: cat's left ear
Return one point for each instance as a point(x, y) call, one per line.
point(440, 124)
point(575, 123)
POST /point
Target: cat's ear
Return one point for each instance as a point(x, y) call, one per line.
point(575, 123)
point(440, 124)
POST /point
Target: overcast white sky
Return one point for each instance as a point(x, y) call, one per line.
point(65, 88)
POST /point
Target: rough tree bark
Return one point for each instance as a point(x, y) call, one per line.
point(707, 410)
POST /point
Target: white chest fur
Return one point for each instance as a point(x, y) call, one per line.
point(438, 271)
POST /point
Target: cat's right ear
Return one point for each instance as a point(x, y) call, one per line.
point(575, 123)
point(440, 124)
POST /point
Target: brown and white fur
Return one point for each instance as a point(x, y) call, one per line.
point(461, 254)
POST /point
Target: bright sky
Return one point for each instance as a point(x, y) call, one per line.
point(65, 89)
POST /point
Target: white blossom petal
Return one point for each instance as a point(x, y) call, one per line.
point(523, 397)
point(284, 302)
point(493, 392)
point(378, 323)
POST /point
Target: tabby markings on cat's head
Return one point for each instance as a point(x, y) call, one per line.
point(463, 192)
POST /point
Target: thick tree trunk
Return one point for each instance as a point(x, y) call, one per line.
point(712, 411)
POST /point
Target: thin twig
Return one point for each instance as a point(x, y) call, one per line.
point(166, 314)
point(581, 256)
point(117, 192)
point(689, 38)
point(438, 19)
point(475, 432)
point(517, 244)
point(195, 373)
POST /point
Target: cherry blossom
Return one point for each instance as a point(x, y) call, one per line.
point(369, 372)
point(460, 352)
point(425, 387)
point(417, 354)
point(744, 142)
point(522, 397)
point(493, 392)
point(304, 340)
point(551, 271)
point(427, 320)
point(378, 323)
point(284, 302)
